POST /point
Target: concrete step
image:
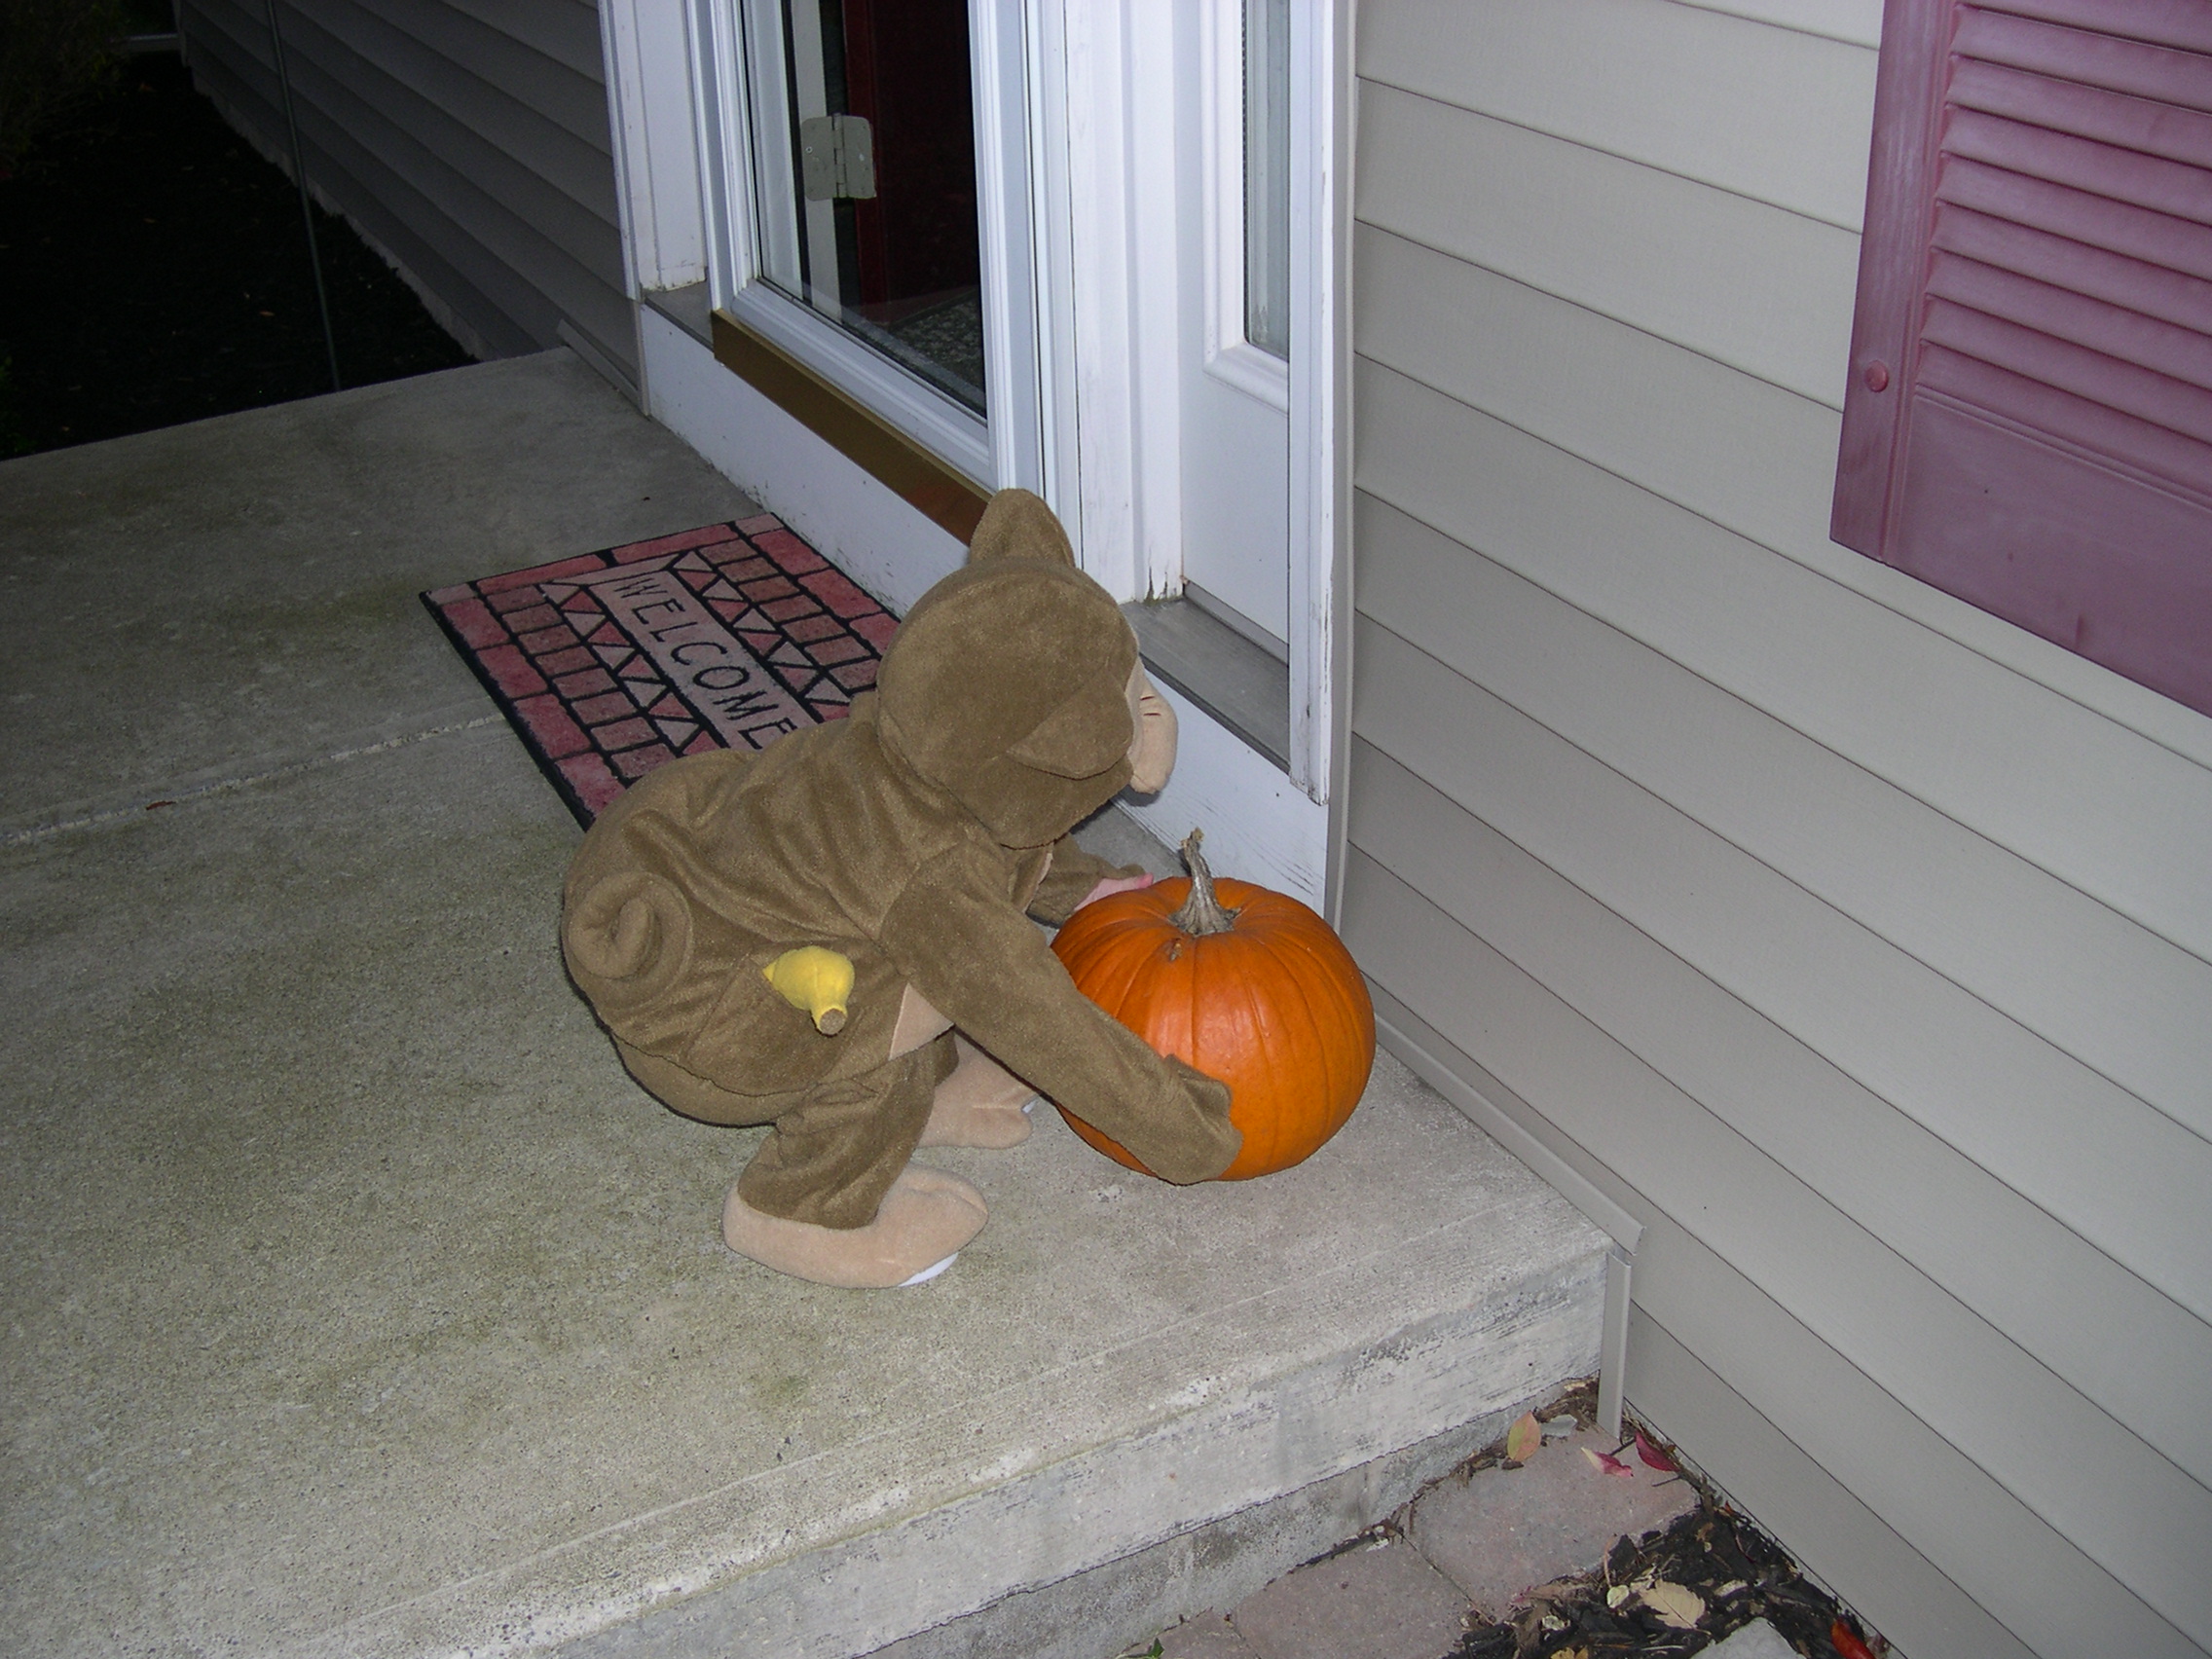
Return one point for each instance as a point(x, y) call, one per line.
point(358, 1303)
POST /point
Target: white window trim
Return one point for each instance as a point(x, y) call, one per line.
point(1053, 240)
point(1230, 357)
point(1017, 369)
point(1320, 435)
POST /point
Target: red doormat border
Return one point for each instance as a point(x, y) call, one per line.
point(612, 663)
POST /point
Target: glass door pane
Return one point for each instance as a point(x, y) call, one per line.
point(1266, 175)
point(869, 216)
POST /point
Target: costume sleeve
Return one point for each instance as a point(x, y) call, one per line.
point(983, 964)
point(1073, 873)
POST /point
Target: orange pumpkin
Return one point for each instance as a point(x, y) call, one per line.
point(1247, 985)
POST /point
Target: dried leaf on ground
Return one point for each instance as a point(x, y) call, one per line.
point(1524, 1438)
point(1605, 1462)
point(1677, 1606)
point(1652, 1456)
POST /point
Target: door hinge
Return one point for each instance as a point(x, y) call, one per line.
point(836, 157)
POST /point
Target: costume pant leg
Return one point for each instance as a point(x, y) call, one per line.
point(834, 1154)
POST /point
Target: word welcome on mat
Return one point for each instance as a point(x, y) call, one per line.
point(612, 663)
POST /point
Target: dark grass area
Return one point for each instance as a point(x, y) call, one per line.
point(154, 270)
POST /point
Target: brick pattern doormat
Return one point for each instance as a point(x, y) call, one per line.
point(612, 663)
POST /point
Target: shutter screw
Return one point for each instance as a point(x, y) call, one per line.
point(1877, 377)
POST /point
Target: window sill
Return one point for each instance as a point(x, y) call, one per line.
point(690, 307)
point(1238, 682)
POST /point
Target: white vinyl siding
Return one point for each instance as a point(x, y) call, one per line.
point(1857, 945)
point(468, 141)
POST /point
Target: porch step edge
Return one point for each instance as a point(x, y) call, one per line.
point(1108, 1608)
point(1227, 1459)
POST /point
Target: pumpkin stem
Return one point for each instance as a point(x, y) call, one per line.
point(1202, 913)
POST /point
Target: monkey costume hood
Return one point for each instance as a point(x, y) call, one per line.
point(911, 838)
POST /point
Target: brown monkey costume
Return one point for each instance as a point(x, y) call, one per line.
point(910, 839)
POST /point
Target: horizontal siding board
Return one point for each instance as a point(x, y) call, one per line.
point(355, 174)
point(1856, 942)
point(510, 120)
point(2119, 817)
point(1831, 1533)
point(1728, 446)
point(1765, 291)
point(2109, 993)
point(538, 229)
point(2024, 1572)
point(2122, 1175)
point(1719, 99)
point(246, 87)
point(2094, 1323)
point(1835, 1535)
point(463, 198)
point(1857, 22)
point(2119, 1498)
point(570, 98)
point(434, 191)
point(1741, 452)
point(1609, 1202)
point(567, 32)
point(1982, 1536)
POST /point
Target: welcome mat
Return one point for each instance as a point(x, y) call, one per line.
point(612, 663)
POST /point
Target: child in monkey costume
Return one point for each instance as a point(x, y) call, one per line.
point(911, 840)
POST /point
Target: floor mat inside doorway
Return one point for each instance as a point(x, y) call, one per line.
point(612, 663)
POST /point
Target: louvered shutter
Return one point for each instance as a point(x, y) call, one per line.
point(2028, 423)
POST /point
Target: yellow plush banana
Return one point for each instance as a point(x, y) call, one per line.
point(815, 981)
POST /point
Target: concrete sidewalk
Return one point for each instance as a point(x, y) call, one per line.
point(358, 1304)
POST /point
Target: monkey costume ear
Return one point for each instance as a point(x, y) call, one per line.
point(1018, 525)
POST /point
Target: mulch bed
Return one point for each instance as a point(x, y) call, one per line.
point(1734, 1569)
point(1739, 1573)
point(154, 270)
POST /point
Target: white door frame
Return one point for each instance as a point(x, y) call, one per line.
point(1117, 142)
point(1321, 426)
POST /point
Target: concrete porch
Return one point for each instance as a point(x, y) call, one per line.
point(356, 1303)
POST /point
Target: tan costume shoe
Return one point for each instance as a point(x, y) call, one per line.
point(980, 1104)
point(921, 1224)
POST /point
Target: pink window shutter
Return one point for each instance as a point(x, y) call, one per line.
point(2028, 422)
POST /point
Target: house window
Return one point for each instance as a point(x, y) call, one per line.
point(871, 222)
point(2028, 423)
point(875, 125)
